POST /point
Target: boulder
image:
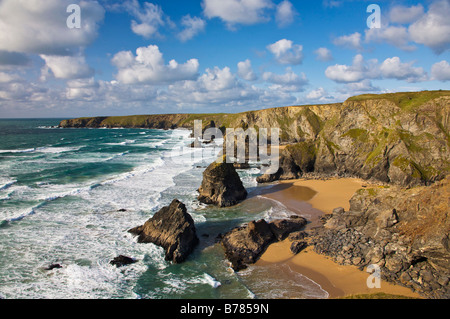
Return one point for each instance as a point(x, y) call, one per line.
point(171, 228)
point(298, 246)
point(121, 260)
point(244, 245)
point(221, 185)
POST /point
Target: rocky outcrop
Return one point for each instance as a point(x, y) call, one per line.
point(122, 260)
point(244, 245)
point(221, 185)
point(171, 228)
point(384, 139)
point(404, 231)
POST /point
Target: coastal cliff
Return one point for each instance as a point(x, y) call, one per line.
point(399, 138)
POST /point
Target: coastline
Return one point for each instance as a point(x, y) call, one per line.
point(313, 198)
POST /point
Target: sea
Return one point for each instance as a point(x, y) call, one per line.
point(69, 196)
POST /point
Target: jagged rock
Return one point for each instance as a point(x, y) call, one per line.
point(171, 228)
point(121, 260)
point(221, 185)
point(244, 245)
point(53, 266)
point(298, 246)
point(404, 231)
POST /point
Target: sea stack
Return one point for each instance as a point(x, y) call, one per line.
point(171, 228)
point(221, 185)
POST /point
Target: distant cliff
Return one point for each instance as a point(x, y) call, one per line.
point(401, 138)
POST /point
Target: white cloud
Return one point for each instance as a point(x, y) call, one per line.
point(66, 67)
point(433, 28)
point(290, 81)
point(323, 54)
point(148, 67)
point(394, 35)
point(245, 70)
point(405, 15)
point(316, 94)
point(393, 68)
point(285, 14)
point(356, 72)
point(192, 26)
point(7, 77)
point(235, 12)
point(352, 41)
point(40, 26)
point(286, 52)
point(441, 71)
point(149, 18)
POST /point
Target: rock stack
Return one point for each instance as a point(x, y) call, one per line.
point(171, 228)
point(221, 185)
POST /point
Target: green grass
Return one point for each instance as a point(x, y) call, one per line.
point(407, 101)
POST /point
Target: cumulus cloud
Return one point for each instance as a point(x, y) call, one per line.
point(66, 67)
point(234, 12)
point(40, 26)
point(393, 68)
point(245, 70)
point(285, 14)
point(323, 54)
point(433, 28)
point(286, 52)
point(397, 36)
point(405, 15)
point(359, 70)
point(148, 67)
point(289, 81)
point(441, 71)
point(352, 41)
point(192, 27)
point(148, 18)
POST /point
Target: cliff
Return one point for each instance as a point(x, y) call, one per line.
point(399, 138)
point(404, 231)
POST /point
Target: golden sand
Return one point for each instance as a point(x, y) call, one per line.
point(324, 196)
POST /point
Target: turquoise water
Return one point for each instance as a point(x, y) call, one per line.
point(68, 196)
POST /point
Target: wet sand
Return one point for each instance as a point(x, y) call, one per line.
point(311, 199)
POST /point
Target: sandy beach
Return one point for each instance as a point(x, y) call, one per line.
point(311, 199)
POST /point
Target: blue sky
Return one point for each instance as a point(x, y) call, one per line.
point(169, 56)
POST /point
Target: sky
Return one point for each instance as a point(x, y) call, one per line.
point(105, 57)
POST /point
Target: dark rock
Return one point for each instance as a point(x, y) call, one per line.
point(298, 246)
point(121, 260)
point(122, 210)
point(299, 235)
point(221, 185)
point(171, 228)
point(244, 245)
point(283, 227)
point(53, 266)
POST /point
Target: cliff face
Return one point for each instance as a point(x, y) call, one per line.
point(404, 232)
point(400, 138)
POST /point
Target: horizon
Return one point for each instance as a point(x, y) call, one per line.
point(135, 57)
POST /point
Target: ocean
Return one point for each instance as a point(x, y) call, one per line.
point(68, 197)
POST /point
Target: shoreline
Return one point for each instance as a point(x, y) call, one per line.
point(312, 199)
